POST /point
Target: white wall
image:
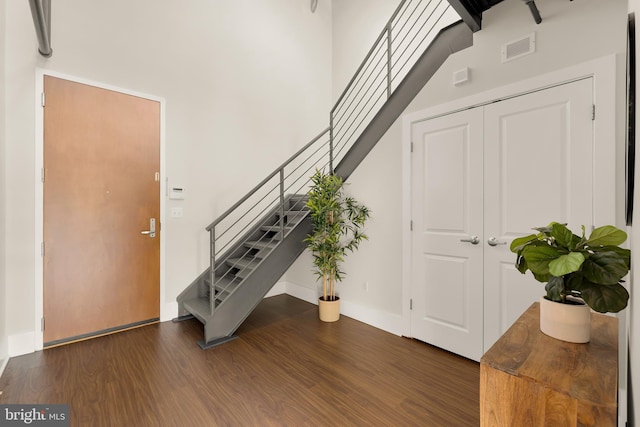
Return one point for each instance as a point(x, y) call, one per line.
point(356, 26)
point(3, 299)
point(244, 81)
point(565, 37)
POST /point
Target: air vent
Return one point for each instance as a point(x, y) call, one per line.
point(519, 48)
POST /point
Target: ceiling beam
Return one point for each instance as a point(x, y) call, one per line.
point(469, 15)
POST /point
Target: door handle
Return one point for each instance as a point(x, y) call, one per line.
point(474, 240)
point(495, 242)
point(151, 232)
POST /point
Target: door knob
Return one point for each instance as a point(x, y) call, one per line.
point(151, 232)
point(495, 242)
point(474, 240)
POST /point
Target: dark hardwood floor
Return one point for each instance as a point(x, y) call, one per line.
point(286, 368)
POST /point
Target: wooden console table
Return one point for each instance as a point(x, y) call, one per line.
point(528, 378)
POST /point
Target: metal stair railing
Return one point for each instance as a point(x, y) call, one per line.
point(409, 31)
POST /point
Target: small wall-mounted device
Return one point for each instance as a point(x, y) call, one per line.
point(461, 76)
point(176, 193)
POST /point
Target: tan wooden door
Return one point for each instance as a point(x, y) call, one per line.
point(101, 188)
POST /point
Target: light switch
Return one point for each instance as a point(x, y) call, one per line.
point(176, 212)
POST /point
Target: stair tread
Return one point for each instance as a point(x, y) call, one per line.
point(227, 284)
point(275, 227)
point(261, 244)
point(242, 262)
point(199, 307)
point(224, 281)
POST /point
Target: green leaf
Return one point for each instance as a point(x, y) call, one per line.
point(555, 289)
point(606, 235)
point(604, 299)
point(605, 268)
point(573, 282)
point(518, 244)
point(521, 264)
point(624, 254)
point(539, 257)
point(566, 264)
point(564, 236)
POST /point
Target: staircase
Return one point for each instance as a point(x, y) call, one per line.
point(255, 241)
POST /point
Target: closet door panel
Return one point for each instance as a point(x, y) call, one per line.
point(538, 169)
point(446, 275)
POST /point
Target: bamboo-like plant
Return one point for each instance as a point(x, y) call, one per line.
point(337, 223)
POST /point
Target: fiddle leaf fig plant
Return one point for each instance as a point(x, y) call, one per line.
point(337, 228)
point(576, 266)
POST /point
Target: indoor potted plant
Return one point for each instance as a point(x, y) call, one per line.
point(579, 273)
point(337, 223)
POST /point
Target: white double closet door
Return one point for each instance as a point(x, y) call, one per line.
point(480, 178)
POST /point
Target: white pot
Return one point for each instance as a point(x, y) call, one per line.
point(566, 322)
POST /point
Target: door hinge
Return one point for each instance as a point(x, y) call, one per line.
point(42, 249)
point(42, 174)
point(42, 98)
point(411, 304)
point(593, 111)
point(411, 225)
point(42, 324)
point(412, 146)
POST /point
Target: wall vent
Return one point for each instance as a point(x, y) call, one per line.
point(518, 48)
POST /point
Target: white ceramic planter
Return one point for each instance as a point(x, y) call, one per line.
point(566, 322)
point(329, 311)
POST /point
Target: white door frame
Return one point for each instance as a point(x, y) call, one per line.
point(39, 192)
point(608, 171)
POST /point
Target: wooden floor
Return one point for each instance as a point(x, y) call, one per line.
point(286, 369)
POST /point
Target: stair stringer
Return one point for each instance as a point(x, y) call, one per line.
point(228, 317)
point(449, 40)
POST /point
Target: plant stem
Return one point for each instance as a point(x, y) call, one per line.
point(324, 287)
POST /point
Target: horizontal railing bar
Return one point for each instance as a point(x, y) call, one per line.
point(247, 213)
point(337, 129)
point(248, 227)
point(362, 120)
point(381, 50)
point(366, 58)
point(252, 221)
point(419, 30)
point(305, 160)
point(339, 113)
point(399, 17)
point(419, 44)
point(264, 181)
point(359, 112)
point(408, 20)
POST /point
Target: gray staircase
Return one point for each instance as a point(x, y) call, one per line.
point(246, 273)
point(248, 259)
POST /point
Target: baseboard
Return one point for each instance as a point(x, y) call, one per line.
point(3, 365)
point(278, 289)
point(301, 292)
point(388, 322)
point(20, 344)
point(169, 311)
